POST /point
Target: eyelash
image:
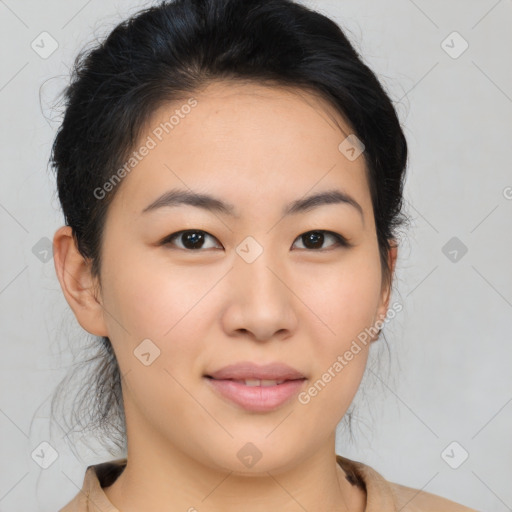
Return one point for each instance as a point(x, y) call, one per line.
point(341, 242)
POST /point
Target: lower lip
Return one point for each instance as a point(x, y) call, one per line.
point(257, 398)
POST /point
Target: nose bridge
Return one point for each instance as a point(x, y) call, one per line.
point(256, 266)
point(262, 300)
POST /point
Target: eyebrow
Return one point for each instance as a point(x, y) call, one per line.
point(178, 197)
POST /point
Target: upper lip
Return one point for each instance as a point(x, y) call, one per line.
point(249, 370)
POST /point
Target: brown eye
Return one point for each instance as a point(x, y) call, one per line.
point(313, 240)
point(191, 239)
point(196, 239)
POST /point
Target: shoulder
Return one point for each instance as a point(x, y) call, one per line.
point(91, 496)
point(385, 496)
point(408, 499)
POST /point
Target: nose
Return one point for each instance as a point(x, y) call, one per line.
point(262, 303)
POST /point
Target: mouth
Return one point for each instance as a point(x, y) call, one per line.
point(247, 371)
point(254, 387)
point(258, 382)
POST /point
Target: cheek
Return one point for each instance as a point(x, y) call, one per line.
point(165, 306)
point(344, 298)
point(171, 306)
point(345, 301)
point(152, 299)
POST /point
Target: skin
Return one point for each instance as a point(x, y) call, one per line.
point(258, 148)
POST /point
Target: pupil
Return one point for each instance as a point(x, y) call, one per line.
point(193, 240)
point(316, 237)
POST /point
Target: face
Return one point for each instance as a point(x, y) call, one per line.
point(250, 282)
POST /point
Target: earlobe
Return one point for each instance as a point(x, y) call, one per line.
point(77, 283)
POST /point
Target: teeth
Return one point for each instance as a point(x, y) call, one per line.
point(257, 382)
point(252, 382)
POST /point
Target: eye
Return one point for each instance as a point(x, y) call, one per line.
point(315, 239)
point(191, 239)
point(194, 240)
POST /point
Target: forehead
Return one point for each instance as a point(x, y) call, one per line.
point(238, 108)
point(244, 140)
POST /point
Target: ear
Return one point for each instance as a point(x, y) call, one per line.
point(386, 286)
point(79, 287)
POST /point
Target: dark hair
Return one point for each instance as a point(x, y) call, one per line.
point(176, 48)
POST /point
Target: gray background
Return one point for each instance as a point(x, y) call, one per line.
point(449, 378)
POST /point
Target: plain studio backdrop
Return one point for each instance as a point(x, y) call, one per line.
point(437, 417)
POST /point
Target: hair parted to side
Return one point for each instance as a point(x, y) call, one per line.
point(170, 52)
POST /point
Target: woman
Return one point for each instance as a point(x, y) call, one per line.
point(231, 177)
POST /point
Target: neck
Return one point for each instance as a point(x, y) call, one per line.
point(177, 481)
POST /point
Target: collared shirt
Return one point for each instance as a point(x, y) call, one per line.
point(381, 495)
